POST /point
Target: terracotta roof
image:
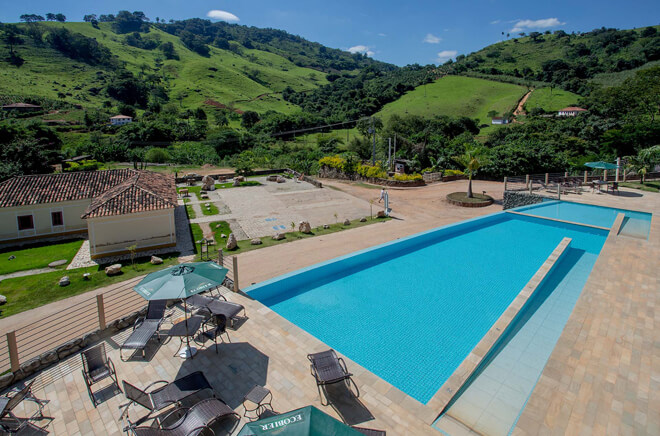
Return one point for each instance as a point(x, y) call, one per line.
point(144, 191)
point(572, 109)
point(120, 117)
point(54, 188)
point(114, 192)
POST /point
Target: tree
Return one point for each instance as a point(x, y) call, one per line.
point(12, 38)
point(473, 158)
point(106, 18)
point(328, 144)
point(89, 18)
point(60, 17)
point(168, 50)
point(649, 32)
point(493, 114)
point(31, 18)
point(126, 22)
point(50, 16)
point(249, 119)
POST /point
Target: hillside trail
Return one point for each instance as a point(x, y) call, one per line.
point(519, 110)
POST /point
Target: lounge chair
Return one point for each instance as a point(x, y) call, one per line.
point(214, 327)
point(145, 328)
point(614, 187)
point(370, 431)
point(328, 369)
point(9, 422)
point(97, 366)
point(214, 306)
point(167, 395)
point(194, 420)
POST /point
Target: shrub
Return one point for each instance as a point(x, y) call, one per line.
point(453, 173)
point(371, 171)
point(83, 165)
point(336, 162)
point(407, 177)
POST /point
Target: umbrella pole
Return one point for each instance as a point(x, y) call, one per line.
point(185, 310)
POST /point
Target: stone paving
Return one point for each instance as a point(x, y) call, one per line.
point(602, 378)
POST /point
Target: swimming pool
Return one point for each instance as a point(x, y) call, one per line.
point(582, 213)
point(411, 310)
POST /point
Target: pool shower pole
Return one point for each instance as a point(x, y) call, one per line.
point(389, 152)
point(618, 164)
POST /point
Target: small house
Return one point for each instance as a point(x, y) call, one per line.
point(499, 120)
point(120, 120)
point(570, 111)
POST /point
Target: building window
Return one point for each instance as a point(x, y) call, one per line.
point(25, 222)
point(57, 219)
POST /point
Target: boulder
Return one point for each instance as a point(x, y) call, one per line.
point(86, 276)
point(347, 222)
point(222, 235)
point(304, 227)
point(279, 236)
point(240, 178)
point(326, 226)
point(363, 220)
point(57, 263)
point(155, 260)
point(236, 182)
point(272, 178)
point(381, 214)
point(280, 179)
point(208, 184)
point(231, 242)
point(3, 300)
point(64, 281)
point(207, 205)
point(256, 241)
point(113, 269)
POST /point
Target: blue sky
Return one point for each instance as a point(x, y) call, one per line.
point(396, 31)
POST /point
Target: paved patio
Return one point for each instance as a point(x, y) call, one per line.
point(602, 378)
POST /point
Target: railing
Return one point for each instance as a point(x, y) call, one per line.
point(92, 314)
point(548, 181)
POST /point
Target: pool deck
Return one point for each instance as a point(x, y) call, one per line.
point(602, 377)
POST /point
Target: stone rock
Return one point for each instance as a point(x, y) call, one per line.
point(278, 236)
point(57, 263)
point(381, 214)
point(86, 276)
point(12, 257)
point(304, 227)
point(256, 241)
point(6, 380)
point(280, 179)
point(3, 300)
point(64, 281)
point(208, 184)
point(113, 269)
point(204, 196)
point(272, 178)
point(231, 242)
point(31, 365)
point(222, 235)
point(207, 205)
point(326, 226)
point(363, 220)
point(48, 358)
point(239, 178)
point(155, 260)
point(236, 182)
point(347, 222)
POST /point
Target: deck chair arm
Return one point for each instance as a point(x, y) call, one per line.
point(343, 365)
point(165, 382)
point(138, 322)
point(112, 366)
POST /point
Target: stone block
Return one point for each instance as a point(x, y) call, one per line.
point(113, 269)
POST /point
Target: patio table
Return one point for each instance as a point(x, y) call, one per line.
point(185, 330)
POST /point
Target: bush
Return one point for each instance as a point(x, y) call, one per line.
point(157, 155)
point(371, 171)
point(83, 165)
point(453, 173)
point(407, 177)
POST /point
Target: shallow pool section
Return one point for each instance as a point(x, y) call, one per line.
point(411, 310)
point(586, 214)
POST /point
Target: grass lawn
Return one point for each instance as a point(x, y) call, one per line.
point(191, 212)
point(197, 190)
point(551, 100)
point(647, 186)
point(38, 255)
point(24, 293)
point(212, 210)
point(220, 227)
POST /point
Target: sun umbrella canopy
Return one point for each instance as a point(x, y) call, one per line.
point(301, 422)
point(601, 165)
point(181, 281)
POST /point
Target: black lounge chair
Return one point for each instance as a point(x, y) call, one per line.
point(214, 306)
point(328, 369)
point(9, 422)
point(167, 395)
point(145, 328)
point(194, 420)
point(97, 366)
point(369, 431)
point(214, 327)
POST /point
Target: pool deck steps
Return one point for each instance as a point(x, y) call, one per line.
point(558, 220)
point(461, 375)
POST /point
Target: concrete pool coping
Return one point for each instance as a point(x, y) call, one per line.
point(462, 374)
point(557, 220)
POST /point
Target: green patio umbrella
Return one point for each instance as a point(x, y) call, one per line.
point(180, 282)
point(601, 165)
point(308, 421)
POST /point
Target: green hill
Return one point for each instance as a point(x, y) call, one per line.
point(550, 100)
point(457, 96)
point(569, 60)
point(240, 77)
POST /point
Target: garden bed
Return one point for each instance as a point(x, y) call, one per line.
point(477, 200)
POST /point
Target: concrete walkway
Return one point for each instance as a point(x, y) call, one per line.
point(28, 272)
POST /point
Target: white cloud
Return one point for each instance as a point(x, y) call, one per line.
point(445, 55)
point(217, 14)
point(432, 39)
point(544, 23)
point(382, 35)
point(495, 22)
point(361, 49)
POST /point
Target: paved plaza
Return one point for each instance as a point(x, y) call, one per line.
point(602, 377)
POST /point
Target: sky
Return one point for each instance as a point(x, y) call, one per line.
point(395, 31)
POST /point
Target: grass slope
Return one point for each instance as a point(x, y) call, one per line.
point(37, 255)
point(223, 76)
point(551, 100)
point(457, 96)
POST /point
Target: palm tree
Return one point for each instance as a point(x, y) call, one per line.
point(472, 159)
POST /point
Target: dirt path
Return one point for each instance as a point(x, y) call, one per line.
point(519, 110)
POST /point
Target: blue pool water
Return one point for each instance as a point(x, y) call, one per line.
point(410, 311)
point(583, 213)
